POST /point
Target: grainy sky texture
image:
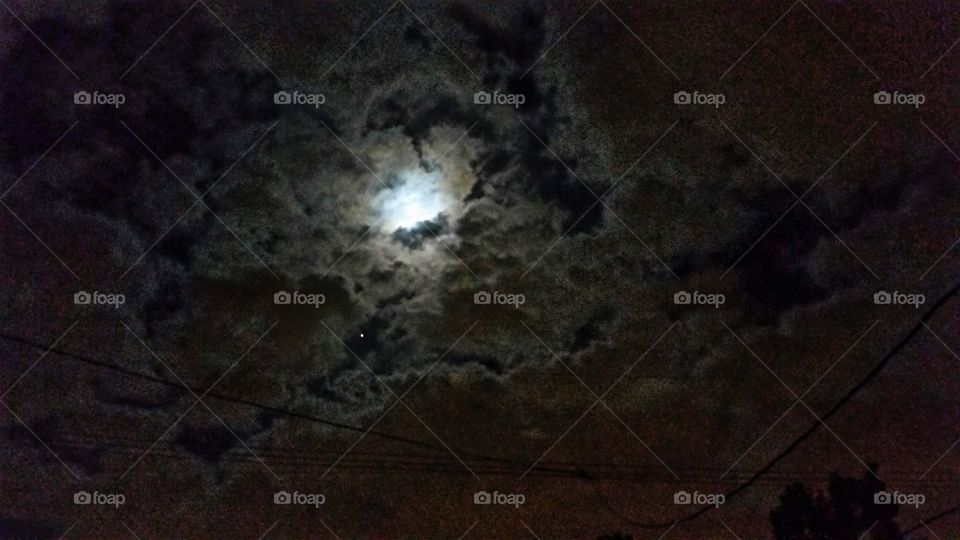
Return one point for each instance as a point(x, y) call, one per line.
point(342, 269)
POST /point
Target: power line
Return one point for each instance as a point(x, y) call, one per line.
point(386, 461)
point(541, 469)
point(813, 429)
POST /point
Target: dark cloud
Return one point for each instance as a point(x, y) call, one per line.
point(297, 198)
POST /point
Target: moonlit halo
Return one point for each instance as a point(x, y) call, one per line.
point(420, 197)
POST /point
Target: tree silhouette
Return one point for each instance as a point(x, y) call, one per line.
point(846, 512)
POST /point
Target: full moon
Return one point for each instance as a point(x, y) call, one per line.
point(420, 196)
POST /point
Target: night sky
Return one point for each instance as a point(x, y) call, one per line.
point(472, 269)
